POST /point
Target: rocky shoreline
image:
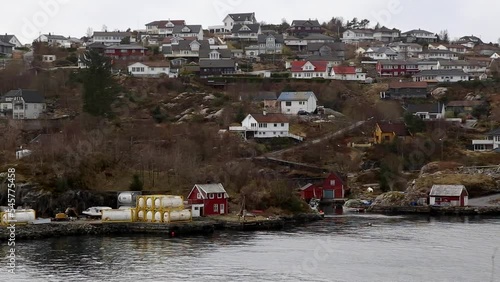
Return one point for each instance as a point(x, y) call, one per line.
point(430, 210)
point(201, 227)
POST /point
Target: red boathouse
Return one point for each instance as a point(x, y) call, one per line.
point(449, 195)
point(208, 199)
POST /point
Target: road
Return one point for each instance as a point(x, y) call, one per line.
point(485, 201)
point(319, 140)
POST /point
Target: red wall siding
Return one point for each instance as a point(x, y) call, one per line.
point(309, 193)
point(209, 206)
point(338, 187)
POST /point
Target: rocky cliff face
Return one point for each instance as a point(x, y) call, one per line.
point(478, 181)
point(46, 203)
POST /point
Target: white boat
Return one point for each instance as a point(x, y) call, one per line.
point(95, 211)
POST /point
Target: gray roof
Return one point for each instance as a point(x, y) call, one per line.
point(429, 63)
point(313, 23)
point(383, 50)
point(323, 58)
point(296, 96)
point(425, 108)
point(193, 28)
point(242, 17)
point(457, 63)
point(396, 44)
point(127, 47)
point(6, 44)
point(223, 63)
point(254, 28)
point(211, 188)
point(29, 96)
point(417, 31)
point(186, 45)
point(112, 33)
point(439, 52)
point(495, 132)
point(447, 190)
point(264, 96)
point(398, 62)
point(314, 46)
point(6, 38)
point(277, 37)
point(318, 36)
point(224, 53)
point(56, 37)
point(452, 72)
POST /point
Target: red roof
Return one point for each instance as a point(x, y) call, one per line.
point(319, 66)
point(344, 70)
point(403, 84)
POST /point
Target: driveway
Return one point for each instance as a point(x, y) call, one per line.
point(485, 201)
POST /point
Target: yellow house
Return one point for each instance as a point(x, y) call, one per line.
point(387, 132)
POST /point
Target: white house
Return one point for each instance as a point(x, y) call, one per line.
point(163, 27)
point(438, 55)
point(490, 142)
point(110, 38)
point(311, 69)
point(407, 50)
point(381, 53)
point(192, 31)
point(24, 104)
point(495, 56)
point(265, 125)
point(442, 75)
point(348, 73)
point(291, 103)
point(240, 18)
point(151, 69)
point(428, 111)
point(12, 39)
point(419, 35)
point(247, 32)
point(357, 35)
point(55, 40)
point(428, 65)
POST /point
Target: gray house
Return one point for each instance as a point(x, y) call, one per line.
point(23, 104)
point(6, 49)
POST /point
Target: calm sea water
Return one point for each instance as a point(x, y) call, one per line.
point(344, 248)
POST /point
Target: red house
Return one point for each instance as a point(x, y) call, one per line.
point(126, 52)
point(449, 195)
point(208, 199)
point(395, 68)
point(310, 191)
point(333, 187)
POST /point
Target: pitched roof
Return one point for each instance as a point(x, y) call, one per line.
point(210, 189)
point(296, 96)
point(398, 128)
point(407, 84)
point(464, 103)
point(224, 53)
point(417, 31)
point(193, 28)
point(344, 70)
point(452, 72)
point(316, 58)
point(157, 64)
point(307, 186)
point(264, 96)
point(447, 190)
point(383, 50)
point(6, 38)
point(252, 28)
point(56, 37)
point(318, 36)
point(28, 95)
point(457, 63)
point(425, 108)
point(316, 46)
point(311, 23)
point(186, 45)
point(163, 23)
point(397, 62)
point(494, 132)
point(319, 66)
point(262, 38)
point(126, 47)
point(270, 118)
point(6, 44)
point(112, 33)
point(240, 17)
point(362, 30)
point(223, 63)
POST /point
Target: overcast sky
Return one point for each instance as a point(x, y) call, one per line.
point(73, 18)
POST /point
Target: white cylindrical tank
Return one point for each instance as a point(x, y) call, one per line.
point(141, 202)
point(117, 215)
point(158, 216)
point(180, 215)
point(166, 217)
point(126, 198)
point(141, 216)
point(19, 216)
point(149, 202)
point(149, 216)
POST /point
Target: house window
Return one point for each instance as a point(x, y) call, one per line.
point(282, 125)
point(275, 125)
point(288, 104)
point(198, 195)
point(211, 196)
point(263, 125)
point(216, 208)
point(219, 196)
point(332, 182)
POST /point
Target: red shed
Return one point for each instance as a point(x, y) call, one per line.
point(333, 187)
point(208, 199)
point(310, 191)
point(449, 195)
